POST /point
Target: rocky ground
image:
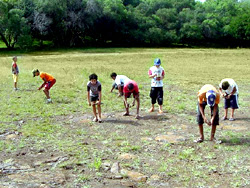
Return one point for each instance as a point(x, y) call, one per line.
point(155, 151)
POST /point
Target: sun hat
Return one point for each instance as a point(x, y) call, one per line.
point(34, 72)
point(157, 61)
point(210, 95)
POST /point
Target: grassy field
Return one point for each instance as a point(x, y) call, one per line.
point(60, 140)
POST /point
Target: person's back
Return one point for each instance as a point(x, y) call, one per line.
point(46, 76)
point(121, 80)
point(231, 86)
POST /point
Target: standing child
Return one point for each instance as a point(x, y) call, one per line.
point(157, 74)
point(94, 89)
point(15, 72)
point(48, 82)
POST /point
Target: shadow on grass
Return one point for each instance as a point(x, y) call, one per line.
point(155, 117)
point(243, 119)
point(127, 122)
point(236, 141)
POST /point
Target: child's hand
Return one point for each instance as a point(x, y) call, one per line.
point(158, 78)
point(207, 122)
point(89, 104)
point(39, 88)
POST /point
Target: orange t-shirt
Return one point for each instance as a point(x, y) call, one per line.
point(47, 77)
point(204, 90)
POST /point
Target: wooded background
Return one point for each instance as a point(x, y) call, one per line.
point(124, 23)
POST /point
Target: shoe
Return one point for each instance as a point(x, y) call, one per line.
point(95, 119)
point(199, 140)
point(49, 101)
point(231, 119)
point(224, 118)
point(99, 120)
point(217, 141)
point(126, 114)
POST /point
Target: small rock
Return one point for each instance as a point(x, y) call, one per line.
point(126, 156)
point(11, 136)
point(118, 177)
point(115, 168)
point(154, 177)
point(136, 176)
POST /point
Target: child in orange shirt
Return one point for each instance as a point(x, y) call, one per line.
point(49, 81)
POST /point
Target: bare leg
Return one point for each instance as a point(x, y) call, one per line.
point(213, 132)
point(160, 109)
point(152, 108)
point(46, 92)
point(201, 132)
point(94, 110)
point(99, 111)
point(15, 85)
point(232, 113)
point(137, 106)
point(127, 110)
point(226, 110)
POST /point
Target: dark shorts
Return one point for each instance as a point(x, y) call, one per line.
point(129, 94)
point(94, 98)
point(49, 84)
point(200, 119)
point(232, 102)
point(116, 86)
point(156, 93)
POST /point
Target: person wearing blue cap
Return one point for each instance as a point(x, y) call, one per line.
point(156, 73)
point(208, 95)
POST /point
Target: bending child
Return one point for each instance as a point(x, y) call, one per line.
point(94, 89)
point(230, 92)
point(131, 87)
point(48, 82)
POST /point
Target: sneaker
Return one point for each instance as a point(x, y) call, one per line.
point(95, 119)
point(49, 101)
point(224, 118)
point(199, 140)
point(99, 120)
point(231, 119)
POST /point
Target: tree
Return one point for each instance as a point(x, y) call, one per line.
point(12, 23)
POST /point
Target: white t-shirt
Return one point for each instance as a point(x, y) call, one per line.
point(121, 80)
point(232, 84)
point(159, 72)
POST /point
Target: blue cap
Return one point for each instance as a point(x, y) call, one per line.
point(210, 95)
point(157, 61)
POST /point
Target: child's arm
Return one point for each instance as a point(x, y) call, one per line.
point(88, 98)
point(14, 68)
point(100, 97)
point(42, 85)
point(113, 87)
